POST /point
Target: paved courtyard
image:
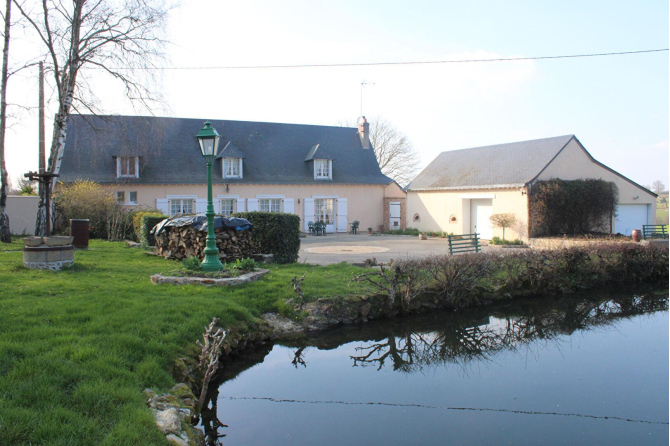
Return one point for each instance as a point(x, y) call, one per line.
point(336, 248)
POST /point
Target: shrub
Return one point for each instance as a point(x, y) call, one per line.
point(573, 207)
point(191, 263)
point(459, 280)
point(143, 223)
point(89, 200)
point(406, 231)
point(499, 241)
point(244, 265)
point(275, 233)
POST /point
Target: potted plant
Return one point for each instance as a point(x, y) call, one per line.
point(370, 230)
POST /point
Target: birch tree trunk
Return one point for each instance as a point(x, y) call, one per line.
point(120, 39)
point(5, 232)
point(66, 80)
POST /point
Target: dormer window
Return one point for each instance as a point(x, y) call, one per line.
point(127, 166)
point(323, 169)
point(232, 168)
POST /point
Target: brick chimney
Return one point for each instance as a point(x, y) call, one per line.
point(364, 132)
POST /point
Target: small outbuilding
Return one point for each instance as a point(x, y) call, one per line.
point(459, 190)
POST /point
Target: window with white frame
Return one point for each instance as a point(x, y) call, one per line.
point(324, 210)
point(228, 206)
point(270, 204)
point(323, 169)
point(181, 206)
point(232, 168)
point(121, 197)
point(132, 197)
point(128, 167)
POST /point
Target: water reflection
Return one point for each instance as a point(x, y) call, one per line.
point(476, 335)
point(440, 339)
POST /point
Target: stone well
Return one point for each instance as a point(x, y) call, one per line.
point(54, 253)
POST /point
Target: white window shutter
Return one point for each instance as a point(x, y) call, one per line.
point(288, 205)
point(163, 205)
point(309, 212)
point(200, 205)
point(341, 215)
point(216, 203)
point(252, 204)
point(240, 205)
point(241, 173)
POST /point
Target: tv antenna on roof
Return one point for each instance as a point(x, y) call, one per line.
point(364, 83)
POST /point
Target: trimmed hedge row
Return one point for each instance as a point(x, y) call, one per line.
point(143, 222)
point(275, 233)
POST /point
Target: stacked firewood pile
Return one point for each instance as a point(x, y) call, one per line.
point(186, 241)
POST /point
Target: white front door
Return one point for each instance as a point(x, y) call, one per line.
point(481, 210)
point(394, 215)
point(629, 217)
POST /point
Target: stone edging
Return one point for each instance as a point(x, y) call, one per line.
point(228, 281)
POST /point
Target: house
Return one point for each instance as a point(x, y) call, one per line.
point(461, 189)
point(321, 173)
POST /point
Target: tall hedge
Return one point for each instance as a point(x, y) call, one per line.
point(275, 233)
point(143, 222)
point(571, 207)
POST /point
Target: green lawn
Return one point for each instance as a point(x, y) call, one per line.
point(78, 346)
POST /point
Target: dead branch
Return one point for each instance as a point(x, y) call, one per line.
point(210, 352)
point(296, 287)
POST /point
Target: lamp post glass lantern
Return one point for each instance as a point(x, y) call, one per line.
point(208, 139)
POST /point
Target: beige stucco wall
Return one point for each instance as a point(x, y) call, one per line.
point(395, 191)
point(22, 213)
point(364, 202)
point(574, 164)
point(435, 209)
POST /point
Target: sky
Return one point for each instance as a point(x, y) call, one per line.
point(617, 106)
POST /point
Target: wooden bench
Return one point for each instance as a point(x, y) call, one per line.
point(654, 232)
point(463, 243)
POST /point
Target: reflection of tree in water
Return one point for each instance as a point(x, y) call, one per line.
point(210, 420)
point(461, 341)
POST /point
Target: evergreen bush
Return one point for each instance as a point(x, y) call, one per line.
point(143, 222)
point(275, 233)
point(148, 223)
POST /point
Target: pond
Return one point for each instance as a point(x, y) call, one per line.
point(571, 370)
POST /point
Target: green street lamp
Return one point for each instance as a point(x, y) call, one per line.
point(208, 138)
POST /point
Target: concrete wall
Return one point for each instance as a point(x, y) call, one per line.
point(22, 212)
point(449, 211)
point(365, 203)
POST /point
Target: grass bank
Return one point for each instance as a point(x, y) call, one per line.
point(78, 346)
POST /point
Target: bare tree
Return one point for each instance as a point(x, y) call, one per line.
point(5, 233)
point(503, 221)
point(658, 186)
point(395, 153)
point(121, 39)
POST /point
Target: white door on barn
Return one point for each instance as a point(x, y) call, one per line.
point(394, 215)
point(629, 217)
point(481, 210)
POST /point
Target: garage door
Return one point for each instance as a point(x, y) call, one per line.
point(629, 217)
point(480, 211)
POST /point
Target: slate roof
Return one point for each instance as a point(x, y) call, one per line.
point(502, 165)
point(273, 153)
